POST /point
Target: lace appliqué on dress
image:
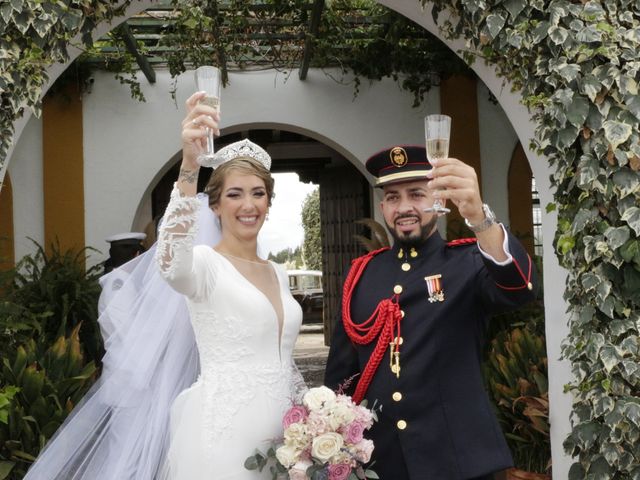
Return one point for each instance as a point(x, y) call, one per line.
point(230, 378)
point(176, 235)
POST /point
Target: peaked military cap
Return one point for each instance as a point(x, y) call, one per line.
point(402, 163)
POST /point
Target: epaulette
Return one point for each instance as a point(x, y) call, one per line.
point(462, 241)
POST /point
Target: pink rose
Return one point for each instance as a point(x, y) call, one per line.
point(353, 432)
point(339, 471)
point(296, 414)
point(364, 449)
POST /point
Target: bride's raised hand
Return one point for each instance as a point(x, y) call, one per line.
point(194, 129)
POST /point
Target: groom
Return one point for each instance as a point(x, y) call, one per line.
point(414, 318)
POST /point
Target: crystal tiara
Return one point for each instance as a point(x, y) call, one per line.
point(243, 148)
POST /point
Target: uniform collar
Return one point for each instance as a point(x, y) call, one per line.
point(431, 245)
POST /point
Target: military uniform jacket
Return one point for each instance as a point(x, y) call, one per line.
point(436, 421)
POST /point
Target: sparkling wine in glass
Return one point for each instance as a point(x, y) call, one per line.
point(208, 80)
point(437, 130)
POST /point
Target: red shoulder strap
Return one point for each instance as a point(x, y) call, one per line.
point(461, 241)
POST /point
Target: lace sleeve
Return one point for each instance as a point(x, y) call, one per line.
point(174, 254)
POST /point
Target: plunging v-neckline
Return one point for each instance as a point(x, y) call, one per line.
point(279, 320)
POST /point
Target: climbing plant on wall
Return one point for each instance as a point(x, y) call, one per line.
point(577, 67)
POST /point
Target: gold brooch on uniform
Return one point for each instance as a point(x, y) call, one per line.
point(434, 285)
point(398, 156)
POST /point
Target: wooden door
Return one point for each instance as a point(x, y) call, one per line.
point(344, 198)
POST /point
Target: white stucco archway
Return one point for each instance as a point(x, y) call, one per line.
point(555, 307)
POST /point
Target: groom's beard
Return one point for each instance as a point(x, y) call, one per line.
point(413, 240)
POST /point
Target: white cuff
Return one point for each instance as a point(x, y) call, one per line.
point(505, 247)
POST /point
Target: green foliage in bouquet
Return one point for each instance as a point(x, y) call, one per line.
point(516, 375)
point(44, 383)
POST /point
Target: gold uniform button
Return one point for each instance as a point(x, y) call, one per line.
point(402, 313)
point(397, 289)
point(397, 396)
point(401, 424)
point(406, 267)
point(399, 340)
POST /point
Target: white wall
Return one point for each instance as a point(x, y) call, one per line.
point(128, 145)
point(497, 141)
point(25, 171)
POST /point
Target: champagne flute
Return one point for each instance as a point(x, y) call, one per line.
point(208, 81)
point(437, 129)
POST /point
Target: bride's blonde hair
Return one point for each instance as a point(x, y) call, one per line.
point(244, 165)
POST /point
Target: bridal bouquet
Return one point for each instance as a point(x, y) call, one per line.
point(323, 440)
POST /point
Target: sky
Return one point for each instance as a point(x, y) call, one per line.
point(284, 229)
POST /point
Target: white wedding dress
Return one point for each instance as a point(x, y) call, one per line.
point(245, 327)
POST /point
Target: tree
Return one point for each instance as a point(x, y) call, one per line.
point(290, 257)
point(312, 245)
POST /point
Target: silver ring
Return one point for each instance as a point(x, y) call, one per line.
point(195, 123)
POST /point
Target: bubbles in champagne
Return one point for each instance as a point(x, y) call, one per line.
point(211, 101)
point(437, 149)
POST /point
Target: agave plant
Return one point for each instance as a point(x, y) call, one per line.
point(43, 386)
point(378, 239)
point(516, 375)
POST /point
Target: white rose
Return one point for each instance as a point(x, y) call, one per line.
point(319, 397)
point(287, 455)
point(326, 446)
point(341, 415)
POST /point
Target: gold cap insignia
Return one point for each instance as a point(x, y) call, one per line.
point(398, 156)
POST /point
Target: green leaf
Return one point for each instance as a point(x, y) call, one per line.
point(5, 12)
point(626, 182)
point(628, 85)
point(632, 217)
point(569, 72)
point(5, 468)
point(616, 132)
point(600, 469)
point(514, 7)
point(590, 86)
point(17, 5)
point(589, 34)
point(633, 104)
point(251, 463)
point(578, 110)
point(558, 35)
point(617, 236)
point(607, 307)
point(576, 472)
point(630, 249)
point(589, 281)
point(609, 357)
point(495, 22)
point(588, 170)
point(540, 32)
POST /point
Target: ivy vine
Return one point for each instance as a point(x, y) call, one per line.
point(577, 66)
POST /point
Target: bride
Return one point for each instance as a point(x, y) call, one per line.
point(164, 409)
point(245, 320)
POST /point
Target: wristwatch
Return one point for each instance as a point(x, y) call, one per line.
point(489, 219)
